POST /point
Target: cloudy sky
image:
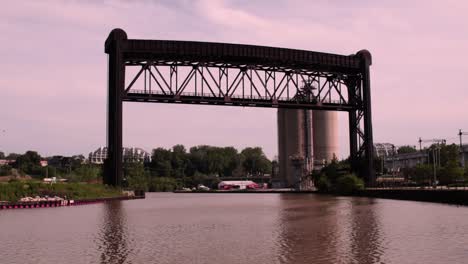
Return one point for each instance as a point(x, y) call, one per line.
point(53, 68)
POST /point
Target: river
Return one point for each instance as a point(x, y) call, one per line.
point(237, 228)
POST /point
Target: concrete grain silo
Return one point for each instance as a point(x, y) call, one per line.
point(305, 138)
point(325, 136)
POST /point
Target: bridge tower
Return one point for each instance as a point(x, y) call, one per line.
point(204, 73)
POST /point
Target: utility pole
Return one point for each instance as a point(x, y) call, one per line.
point(435, 151)
point(393, 165)
point(462, 154)
point(434, 163)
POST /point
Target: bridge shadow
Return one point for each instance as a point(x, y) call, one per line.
point(113, 238)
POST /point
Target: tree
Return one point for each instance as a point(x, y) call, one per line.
point(332, 171)
point(12, 156)
point(406, 149)
point(29, 162)
point(231, 161)
point(135, 176)
point(5, 170)
point(450, 173)
point(2, 155)
point(179, 161)
point(423, 173)
point(83, 173)
point(255, 162)
point(161, 163)
point(449, 154)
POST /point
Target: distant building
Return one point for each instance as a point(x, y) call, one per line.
point(129, 154)
point(241, 185)
point(4, 162)
point(394, 161)
point(384, 149)
point(405, 160)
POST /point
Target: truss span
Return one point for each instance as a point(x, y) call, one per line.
point(189, 72)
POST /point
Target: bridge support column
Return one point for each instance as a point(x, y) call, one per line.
point(353, 144)
point(116, 86)
point(367, 115)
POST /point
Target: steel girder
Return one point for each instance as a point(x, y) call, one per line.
point(237, 75)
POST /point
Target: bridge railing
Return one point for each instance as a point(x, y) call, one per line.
point(234, 96)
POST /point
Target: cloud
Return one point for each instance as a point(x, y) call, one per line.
point(54, 68)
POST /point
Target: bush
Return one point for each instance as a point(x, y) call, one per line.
point(322, 183)
point(163, 184)
point(348, 184)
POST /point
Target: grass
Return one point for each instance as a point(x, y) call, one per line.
point(13, 191)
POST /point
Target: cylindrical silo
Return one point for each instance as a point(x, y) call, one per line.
point(294, 144)
point(325, 136)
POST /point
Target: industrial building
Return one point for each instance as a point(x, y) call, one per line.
point(238, 185)
point(307, 140)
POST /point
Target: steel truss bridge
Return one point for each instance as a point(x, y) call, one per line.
point(189, 72)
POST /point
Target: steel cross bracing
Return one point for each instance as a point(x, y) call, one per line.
point(243, 85)
point(237, 75)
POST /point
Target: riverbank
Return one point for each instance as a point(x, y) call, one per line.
point(453, 196)
point(247, 191)
point(14, 191)
point(457, 197)
point(60, 203)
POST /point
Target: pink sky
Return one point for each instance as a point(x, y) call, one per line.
point(53, 70)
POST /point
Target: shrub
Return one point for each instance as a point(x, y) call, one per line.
point(322, 183)
point(348, 184)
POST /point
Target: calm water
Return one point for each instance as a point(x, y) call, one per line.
point(237, 228)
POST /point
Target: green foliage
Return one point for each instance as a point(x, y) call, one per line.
point(450, 173)
point(179, 161)
point(423, 173)
point(337, 178)
point(161, 163)
point(2, 155)
point(449, 155)
point(332, 171)
point(169, 168)
point(348, 184)
point(207, 160)
point(164, 184)
point(5, 170)
point(12, 156)
point(15, 190)
point(29, 163)
point(210, 160)
point(406, 149)
point(322, 183)
point(136, 176)
point(255, 162)
point(83, 173)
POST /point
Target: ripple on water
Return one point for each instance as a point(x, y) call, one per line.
point(237, 228)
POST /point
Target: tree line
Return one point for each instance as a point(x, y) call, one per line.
point(444, 158)
point(168, 169)
point(174, 168)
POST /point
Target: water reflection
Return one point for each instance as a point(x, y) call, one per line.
point(113, 237)
point(237, 228)
point(328, 230)
point(366, 240)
